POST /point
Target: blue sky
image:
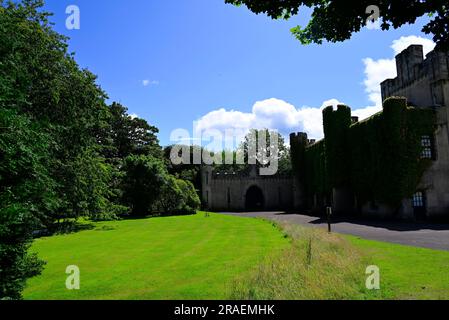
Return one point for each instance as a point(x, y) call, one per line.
point(201, 59)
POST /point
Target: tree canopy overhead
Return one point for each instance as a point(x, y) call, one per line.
point(337, 20)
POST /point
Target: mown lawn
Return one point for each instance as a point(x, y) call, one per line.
point(188, 257)
point(221, 257)
point(407, 272)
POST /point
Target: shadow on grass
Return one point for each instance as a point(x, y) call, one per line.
point(105, 228)
point(156, 215)
point(65, 227)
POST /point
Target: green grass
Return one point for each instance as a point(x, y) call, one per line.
point(188, 257)
point(221, 257)
point(408, 272)
point(319, 265)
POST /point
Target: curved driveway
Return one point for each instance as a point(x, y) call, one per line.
point(433, 236)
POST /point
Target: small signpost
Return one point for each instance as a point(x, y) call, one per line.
point(329, 215)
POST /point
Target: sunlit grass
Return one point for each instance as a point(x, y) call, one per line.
point(317, 265)
point(220, 257)
point(408, 272)
point(188, 257)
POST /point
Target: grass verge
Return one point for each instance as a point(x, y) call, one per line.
point(317, 265)
point(408, 272)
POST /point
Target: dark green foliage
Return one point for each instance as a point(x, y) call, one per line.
point(185, 171)
point(42, 81)
point(16, 265)
point(386, 152)
point(26, 194)
point(316, 180)
point(144, 177)
point(61, 146)
point(335, 21)
point(148, 188)
point(297, 155)
point(336, 124)
point(129, 135)
point(177, 197)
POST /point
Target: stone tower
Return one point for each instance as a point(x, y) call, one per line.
point(425, 84)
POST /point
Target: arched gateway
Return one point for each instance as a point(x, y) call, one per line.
point(242, 192)
point(254, 199)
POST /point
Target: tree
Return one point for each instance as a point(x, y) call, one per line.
point(130, 135)
point(144, 176)
point(41, 80)
point(263, 153)
point(336, 21)
point(26, 194)
point(185, 171)
point(61, 146)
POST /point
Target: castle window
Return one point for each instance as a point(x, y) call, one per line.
point(418, 200)
point(207, 178)
point(427, 150)
point(229, 196)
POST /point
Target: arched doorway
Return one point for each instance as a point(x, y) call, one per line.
point(255, 201)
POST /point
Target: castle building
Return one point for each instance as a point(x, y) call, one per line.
point(361, 168)
point(425, 84)
point(228, 192)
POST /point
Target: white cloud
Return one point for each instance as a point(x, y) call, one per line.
point(273, 114)
point(134, 115)
point(286, 118)
point(404, 42)
point(364, 113)
point(147, 82)
point(377, 71)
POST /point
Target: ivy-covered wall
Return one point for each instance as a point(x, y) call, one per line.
point(336, 124)
point(315, 171)
point(378, 158)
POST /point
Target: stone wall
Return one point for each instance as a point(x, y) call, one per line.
point(425, 83)
point(227, 192)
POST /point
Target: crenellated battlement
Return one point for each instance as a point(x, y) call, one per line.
point(422, 81)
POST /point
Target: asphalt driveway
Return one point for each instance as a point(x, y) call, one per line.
point(425, 235)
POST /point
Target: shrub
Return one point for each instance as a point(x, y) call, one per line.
point(178, 197)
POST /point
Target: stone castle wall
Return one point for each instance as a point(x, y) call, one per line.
point(222, 192)
point(425, 83)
